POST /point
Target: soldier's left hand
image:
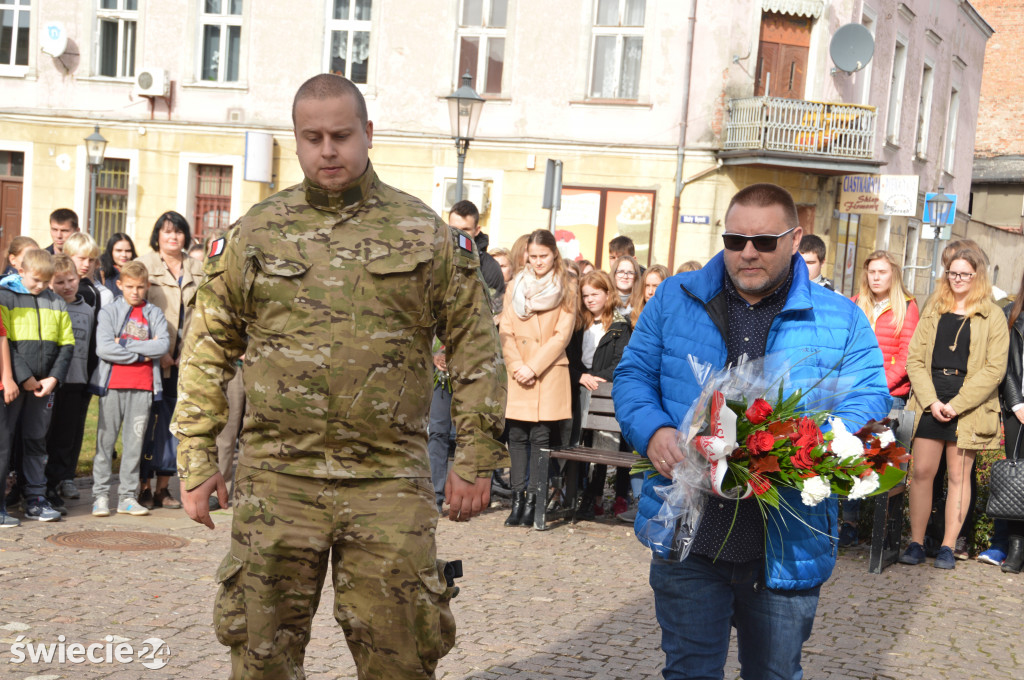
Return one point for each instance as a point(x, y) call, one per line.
point(465, 499)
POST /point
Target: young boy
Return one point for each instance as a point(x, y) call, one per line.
point(71, 403)
point(42, 343)
point(812, 249)
point(131, 336)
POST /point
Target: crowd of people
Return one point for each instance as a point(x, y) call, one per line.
point(564, 326)
point(79, 321)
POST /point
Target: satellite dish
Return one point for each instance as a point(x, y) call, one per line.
point(851, 48)
point(54, 39)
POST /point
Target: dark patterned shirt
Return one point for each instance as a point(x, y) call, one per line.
point(748, 334)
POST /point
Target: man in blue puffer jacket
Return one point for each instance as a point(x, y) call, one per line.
point(759, 574)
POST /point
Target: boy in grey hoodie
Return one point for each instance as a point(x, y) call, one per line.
point(131, 336)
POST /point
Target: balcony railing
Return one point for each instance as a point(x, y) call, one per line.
point(803, 127)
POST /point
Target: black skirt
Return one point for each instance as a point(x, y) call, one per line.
point(946, 387)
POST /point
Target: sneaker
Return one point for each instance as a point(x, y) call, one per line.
point(993, 556)
point(8, 522)
point(69, 490)
point(960, 551)
point(914, 554)
point(945, 558)
point(620, 506)
point(101, 507)
point(130, 506)
point(848, 535)
point(629, 516)
point(39, 508)
point(56, 502)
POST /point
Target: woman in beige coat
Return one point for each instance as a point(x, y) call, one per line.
point(173, 281)
point(956, 361)
point(536, 325)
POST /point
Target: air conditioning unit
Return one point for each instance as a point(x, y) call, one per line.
point(152, 82)
point(476, 190)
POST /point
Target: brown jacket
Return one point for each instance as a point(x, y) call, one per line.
point(538, 342)
point(165, 293)
point(977, 402)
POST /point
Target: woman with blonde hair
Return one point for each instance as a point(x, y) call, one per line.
point(602, 333)
point(893, 314)
point(519, 254)
point(956, 361)
point(536, 324)
point(653, 278)
point(627, 283)
point(504, 260)
point(16, 250)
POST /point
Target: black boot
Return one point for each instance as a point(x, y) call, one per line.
point(1015, 556)
point(515, 518)
point(531, 507)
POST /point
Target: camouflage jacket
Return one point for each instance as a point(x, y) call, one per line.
point(334, 300)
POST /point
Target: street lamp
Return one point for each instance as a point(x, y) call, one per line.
point(940, 205)
point(464, 106)
point(95, 148)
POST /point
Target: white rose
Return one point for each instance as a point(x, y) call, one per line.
point(886, 438)
point(864, 486)
point(816, 489)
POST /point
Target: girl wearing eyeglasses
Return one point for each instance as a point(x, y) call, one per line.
point(627, 283)
point(536, 324)
point(893, 314)
point(956, 362)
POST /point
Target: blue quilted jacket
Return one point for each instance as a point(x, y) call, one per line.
point(654, 386)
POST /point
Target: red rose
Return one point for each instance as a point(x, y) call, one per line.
point(802, 458)
point(760, 442)
point(808, 429)
point(760, 484)
point(757, 412)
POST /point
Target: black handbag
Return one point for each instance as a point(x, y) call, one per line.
point(1006, 486)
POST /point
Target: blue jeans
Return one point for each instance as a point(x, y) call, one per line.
point(697, 601)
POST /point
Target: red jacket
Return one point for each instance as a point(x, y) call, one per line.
point(894, 349)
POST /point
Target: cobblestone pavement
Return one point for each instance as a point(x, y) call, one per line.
point(572, 602)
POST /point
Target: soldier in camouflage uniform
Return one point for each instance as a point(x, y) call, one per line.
point(333, 290)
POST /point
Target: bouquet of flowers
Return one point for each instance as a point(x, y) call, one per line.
point(748, 435)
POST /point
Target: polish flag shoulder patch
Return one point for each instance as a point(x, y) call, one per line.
point(216, 248)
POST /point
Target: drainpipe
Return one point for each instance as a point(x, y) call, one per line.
point(681, 149)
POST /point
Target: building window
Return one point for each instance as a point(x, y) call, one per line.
point(349, 30)
point(12, 164)
point(482, 43)
point(111, 198)
point(949, 157)
point(899, 70)
point(116, 21)
point(590, 217)
point(221, 29)
point(844, 273)
point(616, 49)
point(924, 111)
point(213, 200)
point(863, 77)
point(14, 26)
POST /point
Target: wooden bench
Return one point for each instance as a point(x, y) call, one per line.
point(887, 528)
point(600, 417)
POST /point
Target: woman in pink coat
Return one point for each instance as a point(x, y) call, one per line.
point(536, 325)
point(893, 314)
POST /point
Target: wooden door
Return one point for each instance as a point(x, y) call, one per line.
point(10, 212)
point(782, 55)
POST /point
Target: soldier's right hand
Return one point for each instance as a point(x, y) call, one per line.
point(197, 501)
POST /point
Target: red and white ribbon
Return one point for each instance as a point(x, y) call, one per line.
point(717, 446)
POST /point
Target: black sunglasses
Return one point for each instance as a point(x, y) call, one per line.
point(763, 243)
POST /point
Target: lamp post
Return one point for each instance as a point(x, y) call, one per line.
point(940, 205)
point(95, 148)
point(464, 106)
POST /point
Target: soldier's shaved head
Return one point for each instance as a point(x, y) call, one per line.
point(327, 85)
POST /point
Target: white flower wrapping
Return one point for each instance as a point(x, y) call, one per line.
point(815, 490)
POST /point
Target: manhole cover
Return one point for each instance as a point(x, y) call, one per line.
point(117, 540)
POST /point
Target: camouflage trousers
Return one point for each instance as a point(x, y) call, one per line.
point(377, 535)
